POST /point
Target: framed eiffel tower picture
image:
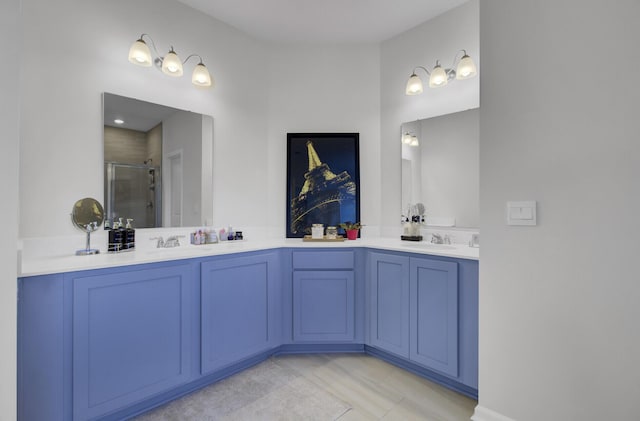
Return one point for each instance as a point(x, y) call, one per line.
point(323, 180)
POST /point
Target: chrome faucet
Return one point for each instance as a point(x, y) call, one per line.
point(173, 241)
point(436, 238)
point(160, 243)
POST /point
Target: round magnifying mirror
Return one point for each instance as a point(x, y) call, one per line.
point(88, 215)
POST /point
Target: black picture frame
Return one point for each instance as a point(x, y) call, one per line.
point(327, 189)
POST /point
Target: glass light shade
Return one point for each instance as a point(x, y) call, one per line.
point(414, 85)
point(139, 54)
point(406, 138)
point(466, 68)
point(438, 77)
point(171, 64)
point(201, 76)
point(414, 141)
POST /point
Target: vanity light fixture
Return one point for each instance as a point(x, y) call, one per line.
point(410, 139)
point(464, 66)
point(170, 64)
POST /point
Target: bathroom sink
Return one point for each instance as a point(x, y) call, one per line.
point(429, 246)
point(171, 250)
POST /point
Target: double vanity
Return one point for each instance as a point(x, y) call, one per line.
point(111, 336)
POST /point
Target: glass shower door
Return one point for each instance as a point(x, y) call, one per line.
point(133, 192)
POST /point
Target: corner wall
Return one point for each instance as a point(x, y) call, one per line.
point(437, 39)
point(331, 89)
point(10, 135)
point(559, 312)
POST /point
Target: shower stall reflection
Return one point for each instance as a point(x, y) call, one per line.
point(134, 191)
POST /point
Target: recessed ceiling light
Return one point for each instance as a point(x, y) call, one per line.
point(118, 121)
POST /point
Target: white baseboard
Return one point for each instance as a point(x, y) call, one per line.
point(484, 414)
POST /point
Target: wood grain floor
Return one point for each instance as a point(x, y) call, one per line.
point(343, 387)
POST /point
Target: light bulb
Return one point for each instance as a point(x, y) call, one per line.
point(406, 138)
point(414, 85)
point(438, 77)
point(171, 64)
point(466, 68)
point(201, 76)
point(139, 54)
point(414, 141)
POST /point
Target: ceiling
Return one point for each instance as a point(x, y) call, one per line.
point(323, 21)
point(137, 115)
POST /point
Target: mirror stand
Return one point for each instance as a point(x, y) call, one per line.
point(88, 250)
point(87, 215)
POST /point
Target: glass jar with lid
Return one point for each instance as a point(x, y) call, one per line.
point(317, 231)
point(332, 233)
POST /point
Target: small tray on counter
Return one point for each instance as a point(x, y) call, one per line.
point(338, 239)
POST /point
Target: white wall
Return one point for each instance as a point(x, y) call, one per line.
point(323, 89)
point(559, 302)
point(74, 50)
point(262, 92)
point(439, 38)
point(10, 134)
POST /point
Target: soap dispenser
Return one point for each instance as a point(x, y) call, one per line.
point(122, 234)
point(115, 238)
point(130, 236)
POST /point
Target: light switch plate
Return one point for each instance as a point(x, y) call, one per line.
point(521, 213)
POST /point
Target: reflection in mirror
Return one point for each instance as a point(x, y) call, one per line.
point(158, 164)
point(87, 214)
point(442, 171)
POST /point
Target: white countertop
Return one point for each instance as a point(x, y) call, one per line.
point(70, 263)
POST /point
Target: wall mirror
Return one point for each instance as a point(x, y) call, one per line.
point(441, 168)
point(158, 164)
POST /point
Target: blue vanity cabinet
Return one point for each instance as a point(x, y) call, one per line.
point(425, 310)
point(240, 301)
point(324, 296)
point(112, 343)
point(131, 335)
point(389, 302)
point(434, 314)
point(44, 378)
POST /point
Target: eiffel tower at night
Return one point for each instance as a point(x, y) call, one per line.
point(318, 202)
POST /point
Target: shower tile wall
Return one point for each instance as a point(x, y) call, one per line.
point(154, 145)
point(124, 146)
point(131, 195)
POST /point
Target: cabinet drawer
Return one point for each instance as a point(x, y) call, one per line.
point(323, 260)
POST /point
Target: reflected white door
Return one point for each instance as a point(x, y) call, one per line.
point(173, 189)
point(407, 185)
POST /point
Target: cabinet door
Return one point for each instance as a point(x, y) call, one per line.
point(389, 300)
point(43, 381)
point(239, 309)
point(323, 305)
point(131, 336)
point(434, 314)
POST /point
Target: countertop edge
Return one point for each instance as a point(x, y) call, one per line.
point(71, 263)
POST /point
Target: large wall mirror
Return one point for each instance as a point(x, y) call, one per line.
point(158, 164)
point(441, 168)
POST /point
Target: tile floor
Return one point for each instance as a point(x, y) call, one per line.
point(343, 387)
